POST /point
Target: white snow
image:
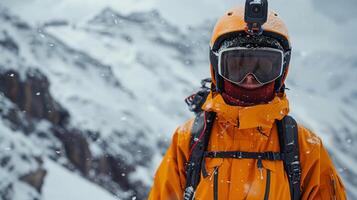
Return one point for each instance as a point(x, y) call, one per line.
point(60, 184)
point(312, 27)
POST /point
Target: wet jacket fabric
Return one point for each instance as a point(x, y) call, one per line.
point(251, 129)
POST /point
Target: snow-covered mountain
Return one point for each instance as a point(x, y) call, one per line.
point(94, 103)
point(100, 98)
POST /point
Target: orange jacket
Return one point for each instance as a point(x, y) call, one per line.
point(241, 178)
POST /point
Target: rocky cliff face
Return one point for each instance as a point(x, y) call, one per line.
point(97, 117)
point(28, 102)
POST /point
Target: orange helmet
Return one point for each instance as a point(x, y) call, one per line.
point(232, 25)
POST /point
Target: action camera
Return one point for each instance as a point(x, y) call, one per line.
point(256, 14)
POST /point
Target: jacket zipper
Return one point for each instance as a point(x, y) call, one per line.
point(267, 185)
point(215, 184)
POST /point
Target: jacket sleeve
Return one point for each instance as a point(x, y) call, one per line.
point(320, 180)
point(169, 180)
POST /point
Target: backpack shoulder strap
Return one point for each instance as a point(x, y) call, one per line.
point(289, 146)
point(200, 135)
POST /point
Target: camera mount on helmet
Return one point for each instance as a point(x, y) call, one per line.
point(256, 14)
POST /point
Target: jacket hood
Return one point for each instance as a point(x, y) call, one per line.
point(262, 115)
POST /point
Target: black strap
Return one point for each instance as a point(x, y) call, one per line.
point(289, 146)
point(274, 156)
point(200, 135)
point(245, 155)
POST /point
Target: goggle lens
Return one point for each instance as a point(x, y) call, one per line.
point(264, 63)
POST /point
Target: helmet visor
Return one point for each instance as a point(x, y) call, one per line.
point(265, 64)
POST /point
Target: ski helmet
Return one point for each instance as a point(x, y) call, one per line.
point(233, 25)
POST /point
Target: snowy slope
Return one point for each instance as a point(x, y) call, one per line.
point(318, 25)
point(121, 118)
point(62, 184)
point(99, 106)
point(122, 74)
point(18, 156)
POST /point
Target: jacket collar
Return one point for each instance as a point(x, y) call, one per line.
point(262, 116)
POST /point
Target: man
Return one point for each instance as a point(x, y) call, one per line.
point(245, 156)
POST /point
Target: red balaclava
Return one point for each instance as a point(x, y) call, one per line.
point(238, 96)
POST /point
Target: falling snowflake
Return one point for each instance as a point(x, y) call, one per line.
point(313, 140)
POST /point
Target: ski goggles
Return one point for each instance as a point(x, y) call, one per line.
point(265, 64)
